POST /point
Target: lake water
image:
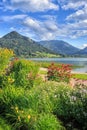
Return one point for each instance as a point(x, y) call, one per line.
point(73, 61)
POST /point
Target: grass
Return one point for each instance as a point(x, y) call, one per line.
point(80, 76)
point(42, 71)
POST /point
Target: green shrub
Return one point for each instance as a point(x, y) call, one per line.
point(14, 107)
point(4, 125)
point(43, 98)
point(23, 119)
point(24, 73)
point(48, 122)
point(11, 96)
point(3, 81)
point(71, 108)
point(5, 55)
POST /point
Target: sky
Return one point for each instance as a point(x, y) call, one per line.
point(46, 19)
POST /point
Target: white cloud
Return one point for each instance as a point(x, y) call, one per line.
point(72, 4)
point(83, 46)
point(12, 28)
point(78, 15)
point(77, 21)
point(32, 5)
point(50, 29)
point(43, 30)
point(13, 17)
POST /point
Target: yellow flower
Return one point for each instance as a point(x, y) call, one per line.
point(22, 111)
point(29, 116)
point(16, 108)
point(17, 111)
point(9, 79)
point(19, 118)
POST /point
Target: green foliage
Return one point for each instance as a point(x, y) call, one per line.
point(5, 56)
point(48, 122)
point(4, 125)
point(80, 76)
point(24, 73)
point(71, 107)
point(21, 118)
point(44, 54)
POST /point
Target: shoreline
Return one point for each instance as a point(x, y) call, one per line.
point(76, 72)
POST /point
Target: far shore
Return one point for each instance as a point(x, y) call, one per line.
point(76, 72)
point(73, 72)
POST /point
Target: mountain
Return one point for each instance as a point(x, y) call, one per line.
point(59, 47)
point(22, 46)
point(82, 52)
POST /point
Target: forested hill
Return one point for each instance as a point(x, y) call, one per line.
point(22, 46)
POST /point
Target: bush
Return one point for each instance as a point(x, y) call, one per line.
point(71, 108)
point(23, 108)
point(59, 73)
point(14, 107)
point(12, 97)
point(5, 55)
point(48, 122)
point(23, 119)
point(43, 98)
point(24, 73)
point(4, 125)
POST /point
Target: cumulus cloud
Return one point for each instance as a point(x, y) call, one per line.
point(32, 5)
point(77, 21)
point(43, 30)
point(50, 29)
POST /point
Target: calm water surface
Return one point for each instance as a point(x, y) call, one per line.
point(74, 61)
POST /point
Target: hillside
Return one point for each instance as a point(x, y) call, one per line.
point(22, 46)
point(82, 52)
point(59, 47)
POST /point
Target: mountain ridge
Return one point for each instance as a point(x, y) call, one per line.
point(22, 45)
point(82, 52)
point(60, 47)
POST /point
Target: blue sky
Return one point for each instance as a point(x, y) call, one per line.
point(46, 19)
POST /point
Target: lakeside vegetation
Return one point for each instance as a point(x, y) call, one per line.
point(45, 64)
point(80, 76)
point(28, 102)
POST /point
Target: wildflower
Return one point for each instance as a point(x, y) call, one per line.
point(22, 111)
point(29, 116)
point(17, 111)
point(16, 108)
point(19, 118)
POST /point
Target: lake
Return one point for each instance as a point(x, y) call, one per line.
point(73, 61)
